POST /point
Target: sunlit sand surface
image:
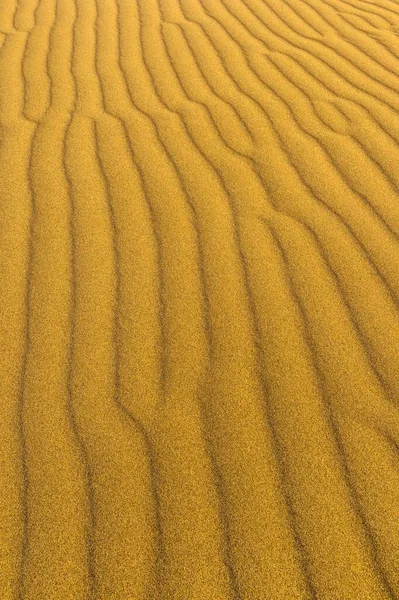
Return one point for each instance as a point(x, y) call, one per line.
point(199, 282)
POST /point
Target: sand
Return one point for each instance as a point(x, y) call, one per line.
point(199, 282)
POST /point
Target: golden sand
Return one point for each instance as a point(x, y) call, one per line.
point(199, 282)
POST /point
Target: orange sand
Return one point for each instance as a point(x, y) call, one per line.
point(199, 282)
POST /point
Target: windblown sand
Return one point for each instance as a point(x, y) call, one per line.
point(199, 282)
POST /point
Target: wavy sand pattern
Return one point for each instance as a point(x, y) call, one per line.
point(199, 282)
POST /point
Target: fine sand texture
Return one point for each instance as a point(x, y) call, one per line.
point(199, 283)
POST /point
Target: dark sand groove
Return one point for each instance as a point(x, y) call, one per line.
point(90, 516)
point(199, 322)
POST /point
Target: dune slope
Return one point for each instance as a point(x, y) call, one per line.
point(199, 282)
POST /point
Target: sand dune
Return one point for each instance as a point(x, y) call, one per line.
point(199, 283)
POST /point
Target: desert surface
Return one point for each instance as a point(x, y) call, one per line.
point(199, 283)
